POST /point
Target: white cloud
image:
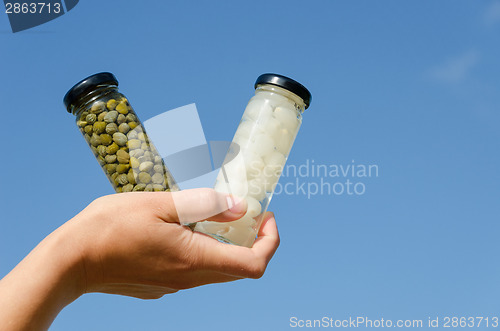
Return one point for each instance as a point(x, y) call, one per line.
point(456, 69)
point(492, 13)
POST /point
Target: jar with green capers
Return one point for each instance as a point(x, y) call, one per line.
point(116, 136)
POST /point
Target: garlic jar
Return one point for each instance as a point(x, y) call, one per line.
point(258, 153)
point(116, 136)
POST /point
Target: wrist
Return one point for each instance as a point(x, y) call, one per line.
point(42, 284)
point(66, 269)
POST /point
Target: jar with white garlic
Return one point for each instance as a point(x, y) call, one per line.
point(258, 153)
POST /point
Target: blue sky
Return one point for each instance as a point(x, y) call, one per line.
point(409, 86)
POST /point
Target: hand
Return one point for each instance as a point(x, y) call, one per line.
point(130, 244)
point(135, 246)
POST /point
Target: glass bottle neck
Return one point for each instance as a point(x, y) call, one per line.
point(284, 92)
point(86, 99)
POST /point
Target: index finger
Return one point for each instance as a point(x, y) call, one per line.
point(194, 205)
point(242, 261)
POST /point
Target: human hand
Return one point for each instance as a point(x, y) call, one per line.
point(132, 244)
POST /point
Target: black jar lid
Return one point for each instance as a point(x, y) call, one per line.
point(286, 83)
point(86, 85)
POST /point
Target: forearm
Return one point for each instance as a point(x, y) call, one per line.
point(46, 281)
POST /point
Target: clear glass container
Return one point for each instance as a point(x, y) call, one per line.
point(258, 154)
point(116, 136)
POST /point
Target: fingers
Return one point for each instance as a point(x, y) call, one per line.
point(237, 207)
point(245, 262)
point(268, 239)
point(196, 205)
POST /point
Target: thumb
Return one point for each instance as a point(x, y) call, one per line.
point(202, 204)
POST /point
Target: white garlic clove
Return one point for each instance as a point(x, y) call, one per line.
point(253, 164)
point(262, 144)
point(270, 126)
point(284, 141)
point(275, 99)
point(257, 188)
point(287, 117)
point(258, 107)
point(270, 177)
point(254, 208)
point(242, 231)
point(245, 129)
point(274, 158)
point(217, 228)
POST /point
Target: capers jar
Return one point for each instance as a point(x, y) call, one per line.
point(116, 136)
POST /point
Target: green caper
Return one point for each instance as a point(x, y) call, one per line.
point(128, 188)
point(122, 179)
point(122, 108)
point(146, 166)
point(120, 119)
point(132, 125)
point(113, 148)
point(131, 177)
point(119, 189)
point(122, 156)
point(120, 138)
point(139, 187)
point(134, 162)
point(158, 178)
point(101, 160)
point(95, 140)
point(101, 149)
point(158, 188)
point(132, 134)
point(124, 128)
point(144, 177)
point(111, 128)
point(100, 117)
point(91, 118)
point(111, 104)
point(134, 144)
point(110, 158)
point(106, 139)
point(88, 129)
point(110, 168)
point(97, 107)
point(145, 146)
point(122, 168)
point(144, 158)
point(158, 168)
point(113, 176)
point(157, 159)
point(131, 117)
point(149, 188)
point(136, 152)
point(99, 127)
point(81, 123)
point(111, 116)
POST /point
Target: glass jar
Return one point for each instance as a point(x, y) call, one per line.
point(116, 136)
point(258, 153)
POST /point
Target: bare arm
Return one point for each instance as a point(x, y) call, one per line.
point(129, 244)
